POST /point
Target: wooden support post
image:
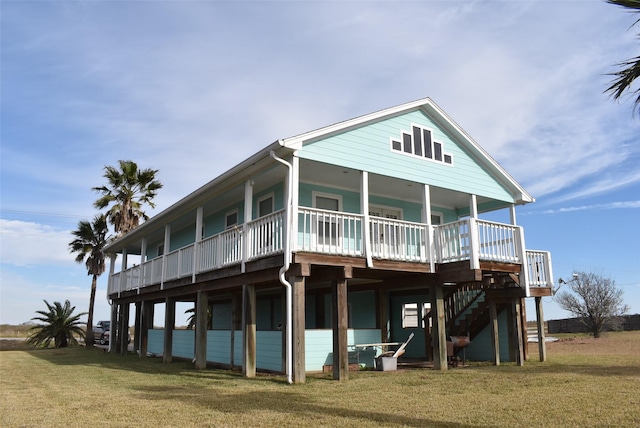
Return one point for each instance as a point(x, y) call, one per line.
point(299, 328)
point(382, 321)
point(202, 309)
point(114, 321)
point(340, 315)
point(147, 323)
point(123, 329)
point(137, 327)
point(169, 325)
point(249, 330)
point(439, 336)
point(542, 345)
point(495, 341)
point(517, 330)
point(523, 325)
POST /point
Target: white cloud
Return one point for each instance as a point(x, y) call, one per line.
point(32, 244)
point(594, 207)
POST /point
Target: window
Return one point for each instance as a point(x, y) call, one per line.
point(419, 143)
point(436, 219)
point(411, 318)
point(410, 315)
point(160, 250)
point(265, 205)
point(231, 219)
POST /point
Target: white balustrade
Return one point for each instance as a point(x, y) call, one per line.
point(539, 267)
point(338, 233)
point(266, 235)
point(398, 240)
point(498, 242)
point(329, 232)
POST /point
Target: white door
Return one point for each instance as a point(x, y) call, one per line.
point(386, 238)
point(327, 234)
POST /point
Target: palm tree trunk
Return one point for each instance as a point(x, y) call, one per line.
point(89, 339)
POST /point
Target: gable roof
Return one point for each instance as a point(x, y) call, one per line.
point(283, 147)
point(432, 110)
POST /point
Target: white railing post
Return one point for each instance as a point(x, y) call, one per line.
point(474, 243)
point(522, 257)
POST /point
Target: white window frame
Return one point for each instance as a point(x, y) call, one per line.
point(262, 199)
point(227, 226)
point(438, 214)
point(412, 154)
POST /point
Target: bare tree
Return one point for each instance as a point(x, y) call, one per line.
point(595, 300)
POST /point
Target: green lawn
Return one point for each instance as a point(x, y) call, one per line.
point(585, 382)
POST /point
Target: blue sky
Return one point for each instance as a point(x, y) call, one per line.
point(193, 87)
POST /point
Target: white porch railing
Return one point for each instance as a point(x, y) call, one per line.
point(398, 240)
point(266, 235)
point(476, 240)
point(539, 269)
point(338, 233)
point(179, 263)
point(329, 232)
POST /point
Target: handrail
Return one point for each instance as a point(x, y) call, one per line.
point(329, 232)
point(339, 233)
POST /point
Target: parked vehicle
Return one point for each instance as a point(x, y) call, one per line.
point(104, 338)
point(100, 329)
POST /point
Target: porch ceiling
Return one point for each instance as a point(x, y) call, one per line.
point(390, 187)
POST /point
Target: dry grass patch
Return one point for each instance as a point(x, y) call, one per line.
point(583, 380)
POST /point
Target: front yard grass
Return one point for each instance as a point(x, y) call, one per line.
point(585, 382)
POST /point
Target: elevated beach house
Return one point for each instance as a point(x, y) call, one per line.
point(320, 249)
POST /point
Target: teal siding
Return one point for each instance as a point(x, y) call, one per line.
point(182, 238)
point(269, 350)
point(350, 200)
point(319, 347)
point(215, 223)
point(183, 344)
point(368, 148)
point(278, 198)
point(218, 344)
point(362, 306)
point(155, 342)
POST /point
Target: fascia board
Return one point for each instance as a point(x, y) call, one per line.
point(521, 196)
point(296, 142)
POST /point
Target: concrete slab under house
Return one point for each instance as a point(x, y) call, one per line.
point(324, 250)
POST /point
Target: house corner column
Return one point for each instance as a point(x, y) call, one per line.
point(495, 337)
point(542, 345)
point(137, 327)
point(123, 329)
point(249, 330)
point(169, 325)
point(340, 325)
point(202, 310)
point(299, 329)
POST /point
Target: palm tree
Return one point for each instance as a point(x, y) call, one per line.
point(59, 325)
point(191, 321)
point(631, 67)
point(127, 189)
point(90, 240)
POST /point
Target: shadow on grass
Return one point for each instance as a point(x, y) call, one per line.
point(291, 403)
point(566, 368)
